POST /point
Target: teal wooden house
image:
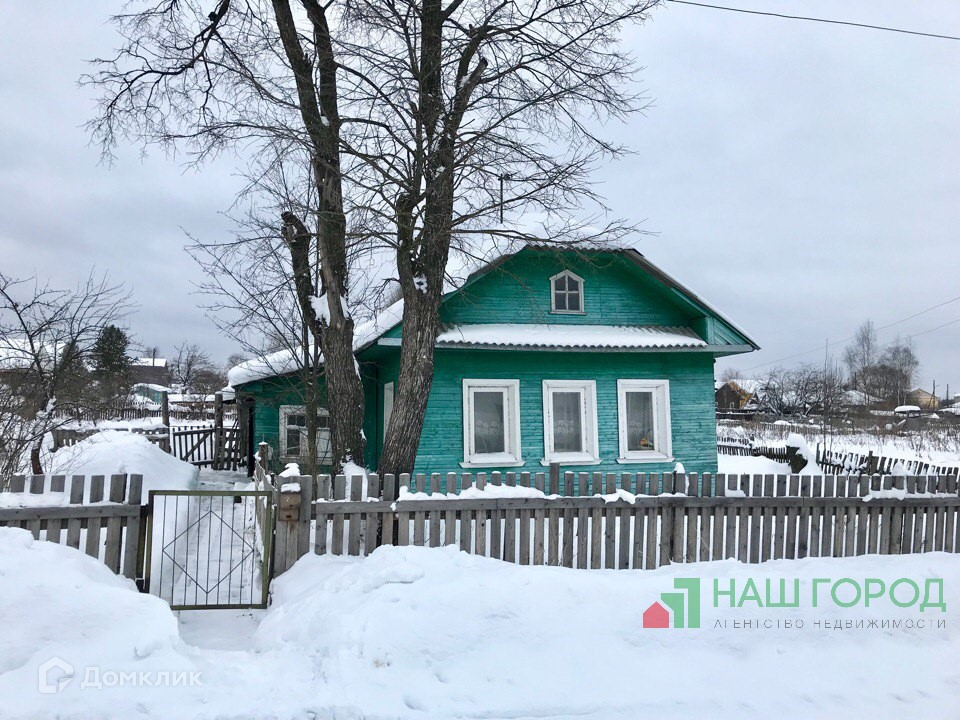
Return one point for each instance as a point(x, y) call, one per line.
point(593, 359)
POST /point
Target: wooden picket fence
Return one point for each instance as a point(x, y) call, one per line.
point(840, 461)
point(653, 521)
point(112, 531)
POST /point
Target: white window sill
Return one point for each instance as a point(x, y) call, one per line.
point(568, 460)
point(649, 459)
point(567, 312)
point(506, 462)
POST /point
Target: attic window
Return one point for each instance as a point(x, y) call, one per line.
point(566, 293)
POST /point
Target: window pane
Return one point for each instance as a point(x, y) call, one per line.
point(561, 282)
point(567, 422)
point(296, 421)
point(294, 438)
point(324, 454)
point(559, 300)
point(573, 301)
point(489, 426)
point(640, 421)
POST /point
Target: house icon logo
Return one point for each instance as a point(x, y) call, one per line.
point(54, 675)
point(683, 606)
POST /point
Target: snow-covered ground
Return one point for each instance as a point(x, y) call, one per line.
point(435, 633)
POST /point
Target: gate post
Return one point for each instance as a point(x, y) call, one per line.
point(294, 511)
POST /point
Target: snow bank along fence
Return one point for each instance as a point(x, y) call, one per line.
point(110, 529)
point(620, 521)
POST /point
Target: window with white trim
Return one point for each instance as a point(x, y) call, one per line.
point(491, 423)
point(293, 434)
point(566, 293)
point(570, 421)
point(644, 414)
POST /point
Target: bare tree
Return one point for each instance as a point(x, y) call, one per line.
point(861, 355)
point(189, 362)
point(46, 338)
point(475, 110)
point(258, 77)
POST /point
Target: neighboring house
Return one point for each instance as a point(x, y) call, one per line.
point(734, 395)
point(924, 400)
point(149, 392)
point(859, 401)
point(593, 359)
point(149, 371)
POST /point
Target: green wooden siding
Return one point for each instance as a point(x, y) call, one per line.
point(270, 394)
point(692, 409)
point(617, 291)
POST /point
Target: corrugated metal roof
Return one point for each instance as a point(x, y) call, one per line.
point(570, 336)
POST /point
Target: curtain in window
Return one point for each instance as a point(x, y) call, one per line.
point(489, 427)
point(567, 422)
point(640, 425)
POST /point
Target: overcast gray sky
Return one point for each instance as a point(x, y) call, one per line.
point(802, 177)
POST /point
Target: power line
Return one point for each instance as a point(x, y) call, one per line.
point(883, 327)
point(819, 20)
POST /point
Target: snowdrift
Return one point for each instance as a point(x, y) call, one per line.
point(114, 451)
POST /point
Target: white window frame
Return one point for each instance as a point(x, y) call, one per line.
point(387, 406)
point(660, 389)
point(553, 294)
point(511, 457)
point(588, 423)
point(285, 412)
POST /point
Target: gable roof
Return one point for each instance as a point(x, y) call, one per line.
point(629, 337)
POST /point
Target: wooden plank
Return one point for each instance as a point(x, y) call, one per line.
point(36, 488)
point(523, 518)
point(756, 518)
point(539, 537)
point(584, 528)
point(790, 539)
point(779, 520)
point(510, 535)
point(691, 534)
point(496, 527)
point(116, 494)
point(339, 492)
point(372, 522)
point(862, 516)
point(54, 527)
point(623, 555)
point(403, 528)
point(803, 519)
point(435, 516)
point(939, 538)
point(450, 527)
point(815, 545)
point(388, 519)
point(652, 552)
point(568, 537)
point(92, 546)
point(553, 535)
point(76, 498)
point(419, 528)
point(480, 526)
point(666, 535)
point(132, 550)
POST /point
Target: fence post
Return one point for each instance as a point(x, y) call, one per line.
point(554, 478)
point(165, 408)
point(263, 456)
point(295, 504)
point(218, 444)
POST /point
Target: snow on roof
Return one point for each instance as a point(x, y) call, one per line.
point(906, 409)
point(284, 361)
point(569, 336)
point(148, 362)
point(16, 352)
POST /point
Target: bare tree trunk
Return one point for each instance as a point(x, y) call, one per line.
point(320, 115)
